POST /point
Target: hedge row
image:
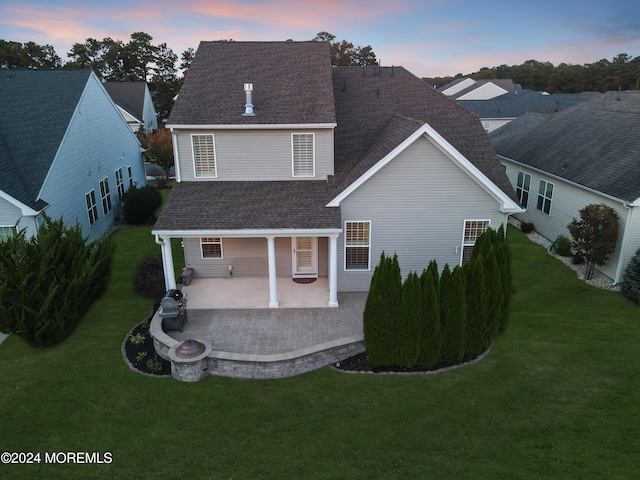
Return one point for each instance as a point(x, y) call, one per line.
point(436, 319)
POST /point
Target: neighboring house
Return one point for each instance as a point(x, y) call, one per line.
point(64, 150)
point(287, 166)
point(470, 89)
point(497, 112)
point(135, 104)
point(586, 154)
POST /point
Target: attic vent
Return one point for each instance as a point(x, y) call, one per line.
point(248, 108)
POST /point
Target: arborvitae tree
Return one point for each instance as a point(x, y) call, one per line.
point(477, 307)
point(48, 282)
point(411, 322)
point(381, 313)
point(433, 268)
point(495, 295)
point(631, 278)
point(431, 334)
point(454, 314)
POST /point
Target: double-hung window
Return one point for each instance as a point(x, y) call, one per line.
point(523, 187)
point(303, 154)
point(105, 196)
point(545, 194)
point(211, 247)
point(357, 245)
point(119, 183)
point(92, 208)
point(472, 231)
point(204, 155)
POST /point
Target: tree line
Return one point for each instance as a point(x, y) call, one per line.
point(622, 72)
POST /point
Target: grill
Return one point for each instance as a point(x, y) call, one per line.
point(173, 310)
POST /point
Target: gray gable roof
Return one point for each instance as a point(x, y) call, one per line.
point(517, 103)
point(377, 108)
point(291, 81)
point(595, 143)
point(504, 83)
point(129, 96)
point(36, 107)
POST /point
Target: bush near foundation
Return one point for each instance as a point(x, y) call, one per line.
point(458, 317)
point(48, 282)
point(140, 204)
point(631, 279)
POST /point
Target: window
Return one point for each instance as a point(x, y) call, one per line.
point(211, 247)
point(119, 183)
point(303, 154)
point(472, 230)
point(357, 245)
point(130, 174)
point(486, 126)
point(204, 157)
point(6, 233)
point(92, 208)
point(545, 192)
point(522, 188)
point(105, 195)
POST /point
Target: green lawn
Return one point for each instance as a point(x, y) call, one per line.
point(558, 397)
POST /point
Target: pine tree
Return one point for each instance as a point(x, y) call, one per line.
point(431, 335)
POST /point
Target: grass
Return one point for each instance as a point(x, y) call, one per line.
point(557, 397)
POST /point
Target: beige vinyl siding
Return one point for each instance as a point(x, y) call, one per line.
point(417, 205)
point(248, 256)
point(255, 155)
point(568, 199)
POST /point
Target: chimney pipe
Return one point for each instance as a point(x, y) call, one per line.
point(248, 108)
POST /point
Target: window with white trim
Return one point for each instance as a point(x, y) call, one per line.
point(130, 173)
point(92, 207)
point(211, 247)
point(204, 155)
point(545, 194)
point(357, 245)
point(472, 231)
point(105, 196)
point(302, 145)
point(523, 187)
point(119, 183)
point(7, 232)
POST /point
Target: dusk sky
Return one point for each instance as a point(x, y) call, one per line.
point(430, 37)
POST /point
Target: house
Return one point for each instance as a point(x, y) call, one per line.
point(498, 111)
point(135, 104)
point(470, 89)
point(289, 167)
point(65, 150)
point(586, 154)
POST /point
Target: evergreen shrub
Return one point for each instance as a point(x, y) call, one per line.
point(149, 278)
point(631, 278)
point(140, 204)
point(48, 282)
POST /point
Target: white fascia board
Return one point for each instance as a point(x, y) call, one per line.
point(274, 232)
point(25, 210)
point(258, 126)
point(506, 204)
point(636, 203)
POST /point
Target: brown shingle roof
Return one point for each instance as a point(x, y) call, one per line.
point(291, 80)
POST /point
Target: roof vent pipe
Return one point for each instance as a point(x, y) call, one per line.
point(248, 108)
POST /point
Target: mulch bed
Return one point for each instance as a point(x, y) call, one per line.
point(150, 362)
point(359, 364)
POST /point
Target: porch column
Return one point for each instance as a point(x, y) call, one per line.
point(167, 263)
point(333, 270)
point(273, 284)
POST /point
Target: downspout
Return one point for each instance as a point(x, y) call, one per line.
point(625, 241)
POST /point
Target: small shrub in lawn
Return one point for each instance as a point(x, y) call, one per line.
point(526, 227)
point(149, 278)
point(139, 204)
